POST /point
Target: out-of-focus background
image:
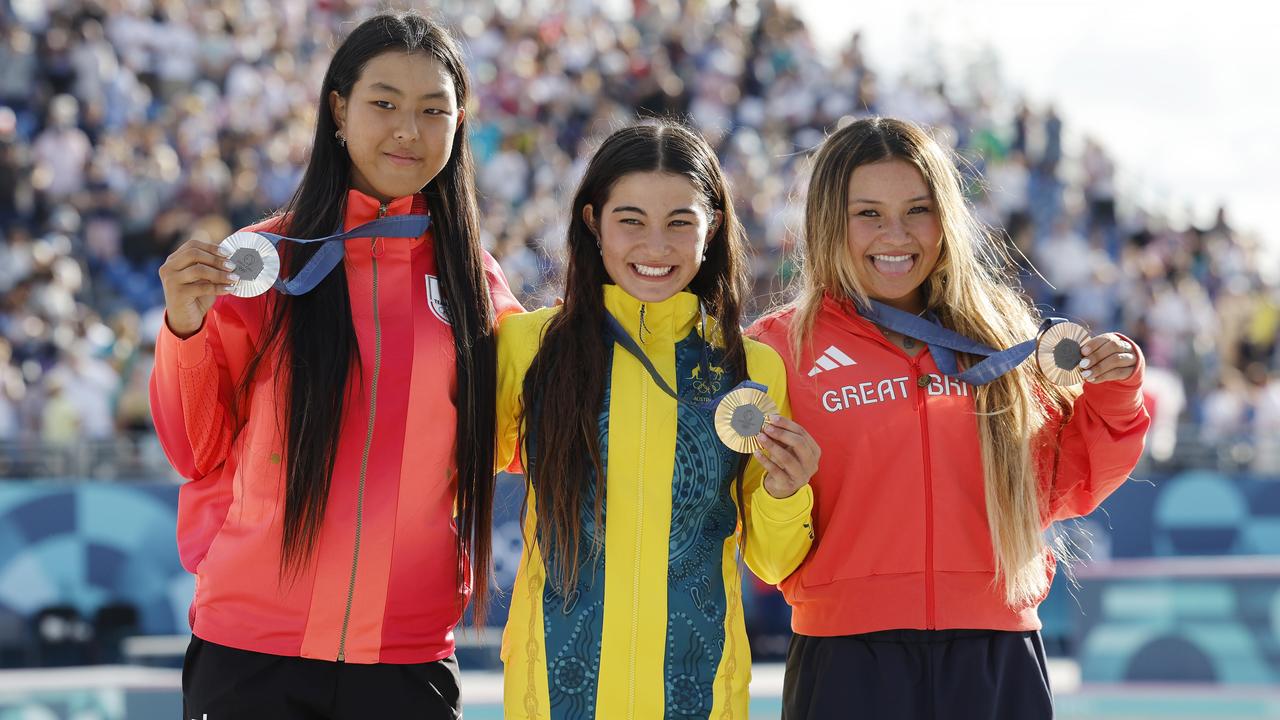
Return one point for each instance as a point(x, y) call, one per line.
point(1122, 147)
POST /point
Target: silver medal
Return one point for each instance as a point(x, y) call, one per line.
point(256, 261)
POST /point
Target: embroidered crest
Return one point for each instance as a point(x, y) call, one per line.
point(439, 307)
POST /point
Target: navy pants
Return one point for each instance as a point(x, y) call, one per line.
point(222, 683)
point(918, 675)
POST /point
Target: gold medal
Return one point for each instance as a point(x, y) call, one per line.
point(256, 261)
point(741, 416)
point(1058, 353)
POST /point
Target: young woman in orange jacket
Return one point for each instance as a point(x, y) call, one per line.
point(937, 482)
point(338, 438)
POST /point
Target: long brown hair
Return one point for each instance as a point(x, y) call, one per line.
point(317, 335)
point(973, 290)
point(564, 387)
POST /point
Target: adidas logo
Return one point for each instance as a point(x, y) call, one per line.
point(830, 359)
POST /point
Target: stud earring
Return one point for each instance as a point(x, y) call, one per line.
point(342, 140)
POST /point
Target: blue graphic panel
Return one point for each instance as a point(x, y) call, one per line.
point(87, 545)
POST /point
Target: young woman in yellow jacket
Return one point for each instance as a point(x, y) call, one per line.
point(628, 599)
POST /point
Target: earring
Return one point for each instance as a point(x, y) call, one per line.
point(342, 140)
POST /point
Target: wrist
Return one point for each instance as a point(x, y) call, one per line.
point(779, 490)
point(180, 330)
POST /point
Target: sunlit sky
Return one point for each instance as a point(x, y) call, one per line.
point(1185, 95)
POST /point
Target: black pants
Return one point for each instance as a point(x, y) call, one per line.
point(918, 675)
point(222, 683)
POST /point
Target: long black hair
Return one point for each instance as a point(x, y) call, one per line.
point(316, 333)
point(564, 386)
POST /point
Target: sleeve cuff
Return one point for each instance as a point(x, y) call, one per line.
point(191, 351)
point(1122, 397)
point(783, 511)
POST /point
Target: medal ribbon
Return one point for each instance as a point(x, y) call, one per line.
point(629, 344)
point(332, 248)
point(944, 343)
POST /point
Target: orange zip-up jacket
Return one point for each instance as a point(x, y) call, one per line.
point(382, 584)
point(899, 505)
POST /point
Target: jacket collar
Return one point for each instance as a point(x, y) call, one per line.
point(362, 208)
point(845, 313)
point(669, 320)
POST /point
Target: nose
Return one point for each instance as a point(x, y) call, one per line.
point(407, 128)
point(893, 230)
point(657, 242)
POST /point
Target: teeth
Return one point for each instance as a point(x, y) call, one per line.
point(652, 270)
point(892, 258)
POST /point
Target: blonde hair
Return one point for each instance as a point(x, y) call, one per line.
point(972, 290)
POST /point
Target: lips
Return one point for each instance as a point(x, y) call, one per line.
point(403, 160)
point(893, 264)
point(652, 272)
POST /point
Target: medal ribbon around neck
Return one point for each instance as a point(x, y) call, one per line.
point(256, 260)
point(944, 344)
point(746, 404)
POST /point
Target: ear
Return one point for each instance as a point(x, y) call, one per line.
point(589, 217)
point(338, 108)
point(462, 114)
point(716, 220)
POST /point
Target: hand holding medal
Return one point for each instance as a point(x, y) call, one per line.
point(747, 421)
point(1063, 351)
point(1107, 358)
point(247, 264)
point(193, 277)
point(789, 456)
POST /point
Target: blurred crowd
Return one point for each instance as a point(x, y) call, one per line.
point(130, 126)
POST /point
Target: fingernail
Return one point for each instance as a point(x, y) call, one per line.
point(229, 265)
point(1084, 364)
point(233, 277)
point(224, 252)
point(1086, 373)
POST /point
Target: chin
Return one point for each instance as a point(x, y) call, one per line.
point(399, 190)
point(650, 294)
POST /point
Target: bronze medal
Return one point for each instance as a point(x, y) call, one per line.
point(1058, 353)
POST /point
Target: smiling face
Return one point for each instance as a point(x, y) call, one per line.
point(894, 232)
point(399, 123)
point(653, 230)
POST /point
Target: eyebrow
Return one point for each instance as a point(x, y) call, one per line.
point(437, 95)
point(922, 198)
point(638, 211)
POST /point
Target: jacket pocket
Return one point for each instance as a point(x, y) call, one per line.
point(863, 544)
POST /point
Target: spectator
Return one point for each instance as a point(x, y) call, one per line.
point(126, 126)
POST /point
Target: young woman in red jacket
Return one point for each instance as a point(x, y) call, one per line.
point(337, 431)
point(935, 489)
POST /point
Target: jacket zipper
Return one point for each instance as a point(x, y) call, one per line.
point(930, 619)
point(635, 586)
point(922, 409)
point(368, 444)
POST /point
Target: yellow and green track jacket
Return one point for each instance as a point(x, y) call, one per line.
point(654, 628)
